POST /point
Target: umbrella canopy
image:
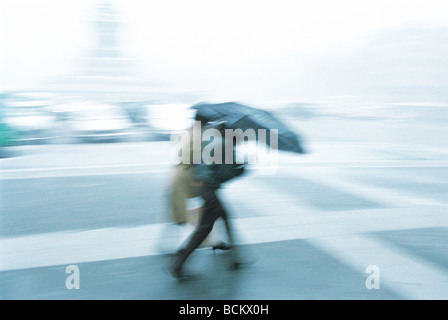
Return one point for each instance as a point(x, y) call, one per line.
point(238, 116)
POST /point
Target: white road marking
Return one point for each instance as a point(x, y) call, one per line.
point(386, 196)
point(61, 248)
point(408, 275)
point(120, 169)
point(61, 172)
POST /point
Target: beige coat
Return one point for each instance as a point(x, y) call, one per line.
point(182, 187)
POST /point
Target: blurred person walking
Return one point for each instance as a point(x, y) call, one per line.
point(185, 198)
point(208, 180)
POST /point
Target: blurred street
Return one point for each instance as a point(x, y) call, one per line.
point(369, 193)
point(93, 92)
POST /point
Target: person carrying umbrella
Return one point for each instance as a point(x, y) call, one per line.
point(210, 177)
point(208, 180)
point(182, 188)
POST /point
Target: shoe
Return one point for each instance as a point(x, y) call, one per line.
point(237, 265)
point(175, 273)
point(222, 246)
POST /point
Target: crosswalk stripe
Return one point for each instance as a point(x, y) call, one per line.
point(408, 275)
point(290, 221)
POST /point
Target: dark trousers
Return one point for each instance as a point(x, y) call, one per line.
point(212, 210)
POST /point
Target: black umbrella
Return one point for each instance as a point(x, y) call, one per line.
point(238, 116)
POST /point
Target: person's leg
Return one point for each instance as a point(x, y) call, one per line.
point(238, 258)
point(231, 234)
point(203, 229)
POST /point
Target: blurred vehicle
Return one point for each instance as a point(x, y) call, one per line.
point(31, 125)
point(99, 123)
point(167, 119)
point(62, 111)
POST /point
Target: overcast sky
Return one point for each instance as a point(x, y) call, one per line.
point(194, 42)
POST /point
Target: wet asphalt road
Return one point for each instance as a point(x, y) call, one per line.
point(313, 227)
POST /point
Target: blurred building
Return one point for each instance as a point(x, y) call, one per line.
point(107, 58)
point(106, 74)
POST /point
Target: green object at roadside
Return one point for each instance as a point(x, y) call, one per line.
point(6, 135)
